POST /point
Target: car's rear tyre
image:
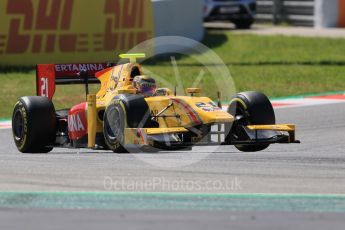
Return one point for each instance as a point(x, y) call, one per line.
point(255, 109)
point(34, 125)
point(124, 111)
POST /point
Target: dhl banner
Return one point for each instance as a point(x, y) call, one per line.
point(65, 31)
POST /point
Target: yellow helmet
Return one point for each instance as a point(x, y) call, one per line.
point(145, 85)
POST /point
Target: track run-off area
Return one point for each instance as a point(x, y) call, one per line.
point(299, 183)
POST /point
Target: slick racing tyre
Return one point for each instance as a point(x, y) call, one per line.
point(114, 126)
point(34, 125)
point(254, 108)
point(124, 111)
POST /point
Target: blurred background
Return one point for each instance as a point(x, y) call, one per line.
point(281, 47)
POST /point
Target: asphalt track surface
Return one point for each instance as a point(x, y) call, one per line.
point(316, 166)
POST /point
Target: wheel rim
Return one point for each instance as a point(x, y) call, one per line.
point(113, 123)
point(238, 110)
point(246, 121)
point(18, 125)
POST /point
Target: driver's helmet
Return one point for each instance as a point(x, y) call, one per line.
point(144, 85)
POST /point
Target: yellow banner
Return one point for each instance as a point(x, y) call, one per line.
point(65, 31)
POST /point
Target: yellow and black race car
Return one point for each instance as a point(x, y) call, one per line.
point(129, 113)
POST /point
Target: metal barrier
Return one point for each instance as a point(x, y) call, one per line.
point(295, 12)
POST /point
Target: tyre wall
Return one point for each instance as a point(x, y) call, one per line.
point(329, 13)
point(179, 18)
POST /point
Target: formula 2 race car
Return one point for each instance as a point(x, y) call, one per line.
point(130, 114)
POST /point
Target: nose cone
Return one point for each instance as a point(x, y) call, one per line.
point(209, 112)
point(219, 116)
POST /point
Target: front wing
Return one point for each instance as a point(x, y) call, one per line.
point(173, 137)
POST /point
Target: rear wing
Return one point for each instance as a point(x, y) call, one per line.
point(50, 75)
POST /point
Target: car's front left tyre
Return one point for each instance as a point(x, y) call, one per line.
point(114, 126)
point(124, 111)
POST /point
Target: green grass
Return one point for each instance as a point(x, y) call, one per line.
point(279, 66)
point(276, 65)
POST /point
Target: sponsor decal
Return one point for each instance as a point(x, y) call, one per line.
point(193, 116)
point(34, 31)
point(78, 67)
point(77, 122)
point(208, 107)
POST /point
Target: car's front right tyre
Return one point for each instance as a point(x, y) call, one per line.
point(254, 108)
